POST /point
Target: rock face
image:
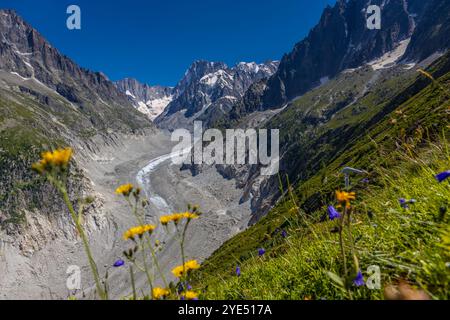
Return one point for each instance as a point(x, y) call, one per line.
point(341, 40)
point(48, 101)
point(209, 89)
point(28, 56)
point(432, 33)
point(150, 100)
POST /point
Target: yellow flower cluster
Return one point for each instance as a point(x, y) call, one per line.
point(189, 295)
point(345, 197)
point(176, 217)
point(125, 189)
point(138, 231)
point(160, 293)
point(57, 158)
point(188, 266)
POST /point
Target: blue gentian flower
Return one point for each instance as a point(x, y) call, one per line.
point(365, 180)
point(333, 213)
point(359, 280)
point(118, 263)
point(403, 203)
point(261, 252)
point(440, 177)
point(284, 234)
point(238, 271)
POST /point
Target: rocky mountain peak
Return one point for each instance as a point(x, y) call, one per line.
point(339, 41)
point(209, 88)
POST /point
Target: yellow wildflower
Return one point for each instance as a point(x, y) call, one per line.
point(191, 265)
point(149, 228)
point(125, 189)
point(176, 217)
point(178, 271)
point(188, 266)
point(138, 231)
point(165, 220)
point(160, 293)
point(345, 197)
point(57, 158)
point(190, 215)
point(190, 295)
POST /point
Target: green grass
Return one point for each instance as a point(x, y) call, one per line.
point(400, 156)
point(23, 136)
point(405, 244)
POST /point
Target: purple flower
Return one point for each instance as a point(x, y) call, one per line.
point(238, 271)
point(404, 203)
point(359, 280)
point(333, 213)
point(261, 252)
point(365, 180)
point(284, 234)
point(118, 263)
point(442, 176)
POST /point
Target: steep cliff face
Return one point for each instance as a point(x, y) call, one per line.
point(432, 33)
point(341, 40)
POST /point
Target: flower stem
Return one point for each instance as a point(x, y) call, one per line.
point(87, 249)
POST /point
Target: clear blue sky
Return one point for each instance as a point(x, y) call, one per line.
point(155, 41)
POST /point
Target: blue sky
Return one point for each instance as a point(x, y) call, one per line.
point(156, 41)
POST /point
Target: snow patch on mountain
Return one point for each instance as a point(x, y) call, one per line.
point(150, 100)
point(389, 59)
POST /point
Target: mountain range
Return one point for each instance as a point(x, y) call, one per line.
point(337, 86)
point(211, 87)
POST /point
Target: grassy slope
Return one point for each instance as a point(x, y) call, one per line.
point(27, 127)
point(374, 144)
point(405, 244)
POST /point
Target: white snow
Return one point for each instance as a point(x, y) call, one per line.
point(250, 66)
point(23, 53)
point(230, 97)
point(212, 79)
point(350, 70)
point(153, 108)
point(128, 93)
point(23, 78)
point(409, 66)
point(390, 58)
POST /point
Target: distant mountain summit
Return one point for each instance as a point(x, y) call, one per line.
point(150, 100)
point(211, 88)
